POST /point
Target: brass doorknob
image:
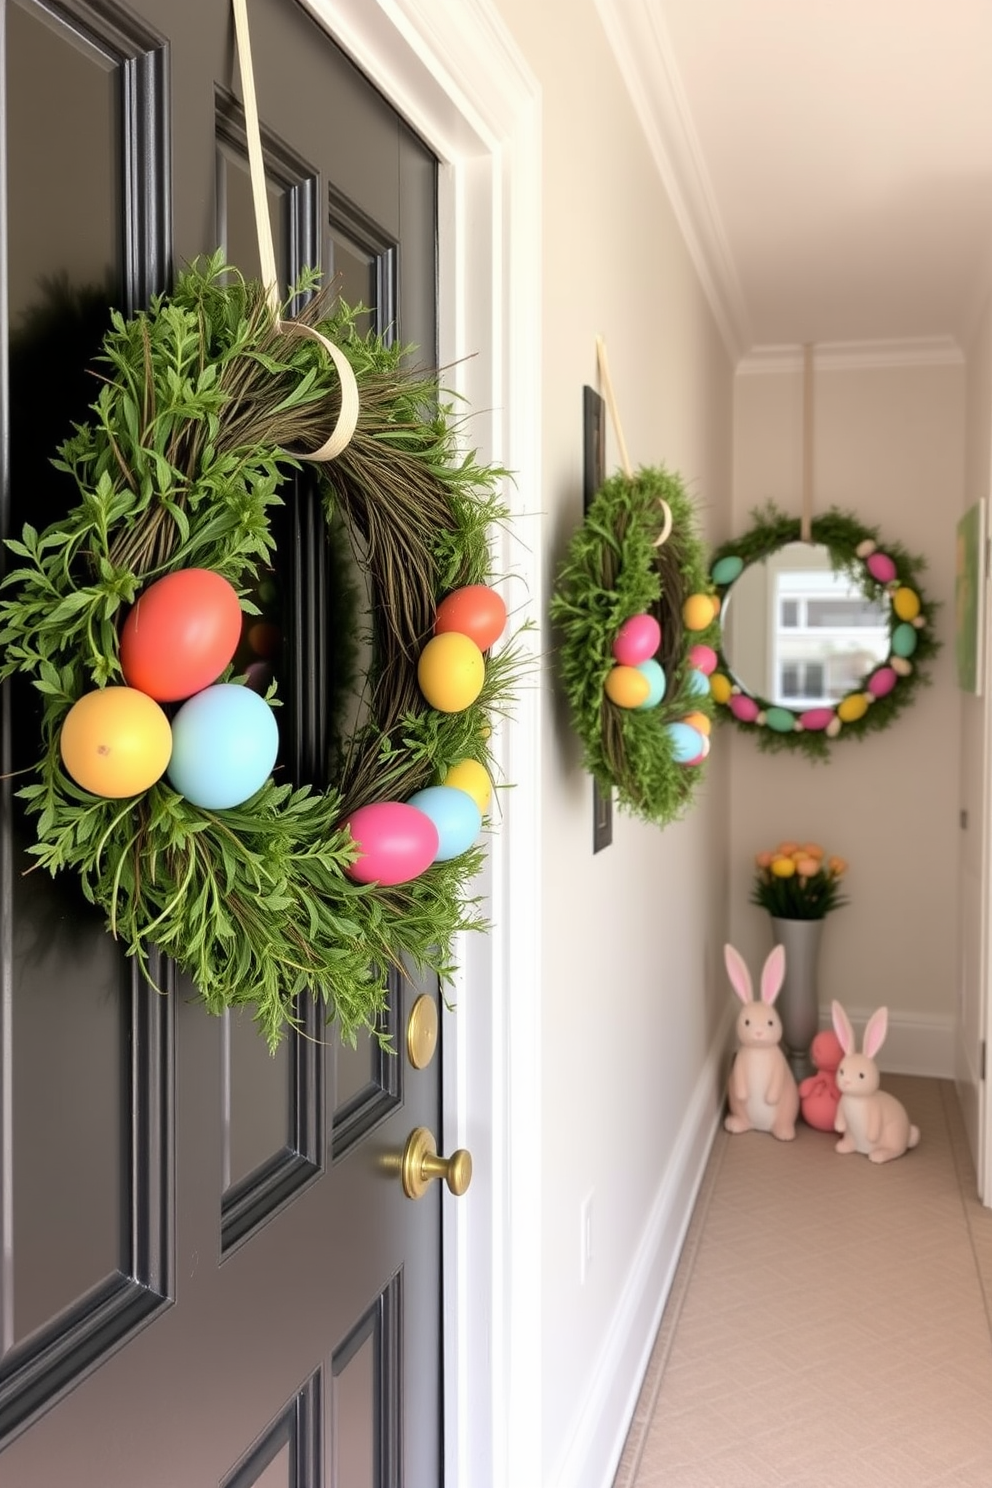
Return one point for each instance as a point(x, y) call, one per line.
point(421, 1164)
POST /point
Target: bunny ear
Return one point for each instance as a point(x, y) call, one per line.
point(773, 974)
point(842, 1027)
point(875, 1030)
point(740, 977)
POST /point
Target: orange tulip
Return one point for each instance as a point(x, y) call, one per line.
point(763, 859)
point(786, 849)
point(807, 866)
point(837, 866)
point(812, 850)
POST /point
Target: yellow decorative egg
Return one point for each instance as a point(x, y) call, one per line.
point(906, 603)
point(699, 722)
point(626, 686)
point(471, 777)
point(853, 707)
point(720, 688)
point(698, 612)
point(451, 672)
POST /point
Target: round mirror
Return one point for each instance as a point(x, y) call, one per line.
point(800, 632)
point(819, 639)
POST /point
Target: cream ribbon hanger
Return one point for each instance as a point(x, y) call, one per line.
point(348, 415)
point(611, 403)
point(806, 521)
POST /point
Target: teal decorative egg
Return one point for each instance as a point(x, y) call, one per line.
point(455, 815)
point(656, 679)
point(697, 683)
point(904, 640)
point(687, 742)
point(781, 720)
point(726, 570)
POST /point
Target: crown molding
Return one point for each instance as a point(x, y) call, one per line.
point(642, 47)
point(854, 356)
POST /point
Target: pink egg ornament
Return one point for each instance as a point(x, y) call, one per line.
point(881, 683)
point(881, 567)
point(704, 659)
point(396, 843)
point(816, 718)
point(637, 640)
point(744, 708)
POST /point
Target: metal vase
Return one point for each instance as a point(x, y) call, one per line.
point(798, 1002)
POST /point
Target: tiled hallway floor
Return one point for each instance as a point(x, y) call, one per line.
point(829, 1322)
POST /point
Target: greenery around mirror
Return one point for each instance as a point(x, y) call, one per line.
point(887, 576)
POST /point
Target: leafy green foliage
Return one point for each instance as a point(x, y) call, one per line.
point(612, 571)
point(181, 466)
point(842, 534)
point(799, 896)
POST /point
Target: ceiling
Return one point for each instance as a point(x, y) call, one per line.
point(830, 161)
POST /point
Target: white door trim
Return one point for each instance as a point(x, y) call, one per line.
point(452, 70)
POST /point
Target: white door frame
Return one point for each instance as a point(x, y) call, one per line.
point(452, 70)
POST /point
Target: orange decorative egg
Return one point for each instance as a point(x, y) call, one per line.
point(180, 634)
point(475, 611)
point(699, 722)
point(116, 742)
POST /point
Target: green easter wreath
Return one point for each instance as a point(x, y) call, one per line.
point(912, 643)
point(180, 467)
point(615, 568)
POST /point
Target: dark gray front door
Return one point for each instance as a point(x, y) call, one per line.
point(209, 1273)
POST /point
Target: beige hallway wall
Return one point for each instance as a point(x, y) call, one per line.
point(888, 446)
point(632, 992)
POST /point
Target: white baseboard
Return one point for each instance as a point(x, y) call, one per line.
point(603, 1418)
point(916, 1043)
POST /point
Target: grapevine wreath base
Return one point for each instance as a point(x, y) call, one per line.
point(180, 468)
point(633, 597)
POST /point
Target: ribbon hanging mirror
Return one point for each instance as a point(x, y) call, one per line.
point(825, 629)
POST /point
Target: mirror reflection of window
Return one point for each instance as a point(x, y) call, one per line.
point(799, 633)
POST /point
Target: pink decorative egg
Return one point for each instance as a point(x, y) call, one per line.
point(881, 683)
point(816, 718)
point(881, 567)
point(637, 640)
point(704, 659)
point(396, 842)
point(744, 708)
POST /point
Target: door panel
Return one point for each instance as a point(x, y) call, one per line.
point(210, 1273)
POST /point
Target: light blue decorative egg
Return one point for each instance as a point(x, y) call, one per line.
point(697, 683)
point(687, 742)
point(726, 570)
point(781, 720)
point(224, 744)
point(656, 680)
point(455, 815)
point(904, 640)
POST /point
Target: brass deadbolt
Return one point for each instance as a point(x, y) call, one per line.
point(421, 1032)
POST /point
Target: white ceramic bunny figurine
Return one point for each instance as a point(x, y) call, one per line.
point(762, 1090)
point(869, 1120)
